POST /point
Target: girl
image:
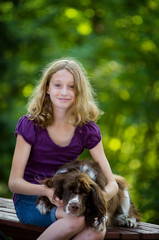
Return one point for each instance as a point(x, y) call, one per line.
point(60, 124)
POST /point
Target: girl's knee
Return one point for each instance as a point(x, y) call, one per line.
point(94, 235)
point(76, 224)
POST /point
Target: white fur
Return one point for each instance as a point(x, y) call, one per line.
point(61, 171)
point(73, 200)
point(125, 206)
point(42, 208)
point(100, 227)
point(89, 171)
point(124, 219)
point(84, 168)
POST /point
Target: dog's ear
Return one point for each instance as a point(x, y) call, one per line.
point(57, 183)
point(96, 205)
point(48, 182)
point(98, 198)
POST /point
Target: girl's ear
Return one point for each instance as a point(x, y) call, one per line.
point(47, 89)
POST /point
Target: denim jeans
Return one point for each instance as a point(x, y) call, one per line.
point(28, 213)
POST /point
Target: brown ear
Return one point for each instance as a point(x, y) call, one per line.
point(96, 205)
point(48, 182)
point(57, 184)
point(98, 199)
point(85, 180)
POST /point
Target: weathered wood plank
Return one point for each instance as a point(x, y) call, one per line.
point(144, 230)
point(153, 226)
point(122, 233)
point(19, 230)
point(112, 234)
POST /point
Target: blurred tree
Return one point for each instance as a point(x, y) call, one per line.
point(118, 43)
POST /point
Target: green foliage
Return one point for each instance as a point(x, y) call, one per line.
point(118, 43)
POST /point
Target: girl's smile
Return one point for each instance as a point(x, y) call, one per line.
point(64, 99)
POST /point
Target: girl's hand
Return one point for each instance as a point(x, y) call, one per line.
point(57, 202)
point(49, 192)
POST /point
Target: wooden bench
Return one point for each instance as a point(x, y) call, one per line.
point(10, 226)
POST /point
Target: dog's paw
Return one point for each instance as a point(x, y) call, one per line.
point(123, 220)
point(42, 207)
point(131, 222)
point(100, 226)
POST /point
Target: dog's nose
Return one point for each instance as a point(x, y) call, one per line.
point(74, 207)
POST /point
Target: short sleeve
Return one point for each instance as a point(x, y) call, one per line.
point(91, 135)
point(25, 128)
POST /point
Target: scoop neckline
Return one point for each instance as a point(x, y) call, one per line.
point(62, 147)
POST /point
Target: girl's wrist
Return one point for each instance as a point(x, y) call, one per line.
point(44, 190)
point(111, 189)
point(47, 192)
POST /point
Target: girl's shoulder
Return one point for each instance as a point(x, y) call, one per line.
point(27, 129)
point(25, 123)
point(91, 134)
point(90, 127)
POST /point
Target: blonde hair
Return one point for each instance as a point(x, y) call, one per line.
point(84, 108)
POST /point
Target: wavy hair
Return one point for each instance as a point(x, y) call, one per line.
point(84, 108)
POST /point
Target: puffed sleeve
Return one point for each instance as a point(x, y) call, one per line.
point(91, 135)
point(25, 128)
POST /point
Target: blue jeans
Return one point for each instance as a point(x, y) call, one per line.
point(28, 213)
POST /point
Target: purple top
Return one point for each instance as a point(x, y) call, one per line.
point(46, 157)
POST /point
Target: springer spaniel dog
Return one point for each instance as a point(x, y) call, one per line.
point(80, 184)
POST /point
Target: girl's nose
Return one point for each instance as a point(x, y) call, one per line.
point(64, 90)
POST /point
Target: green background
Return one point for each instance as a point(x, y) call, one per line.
point(117, 41)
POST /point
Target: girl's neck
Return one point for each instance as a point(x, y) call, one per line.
point(60, 118)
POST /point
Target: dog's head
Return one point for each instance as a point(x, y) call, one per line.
point(80, 195)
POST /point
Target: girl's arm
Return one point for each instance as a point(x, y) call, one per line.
point(98, 155)
point(16, 182)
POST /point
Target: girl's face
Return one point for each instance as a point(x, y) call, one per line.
point(61, 89)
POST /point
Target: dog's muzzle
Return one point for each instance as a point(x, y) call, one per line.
point(74, 206)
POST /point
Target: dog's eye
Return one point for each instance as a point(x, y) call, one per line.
point(71, 190)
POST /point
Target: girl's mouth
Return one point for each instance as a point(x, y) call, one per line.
point(64, 99)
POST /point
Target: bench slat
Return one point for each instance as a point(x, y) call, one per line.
point(19, 230)
point(153, 226)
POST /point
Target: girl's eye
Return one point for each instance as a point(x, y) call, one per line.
point(57, 85)
point(72, 86)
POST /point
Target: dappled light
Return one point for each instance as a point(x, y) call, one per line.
point(84, 28)
point(114, 144)
point(72, 13)
point(27, 90)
